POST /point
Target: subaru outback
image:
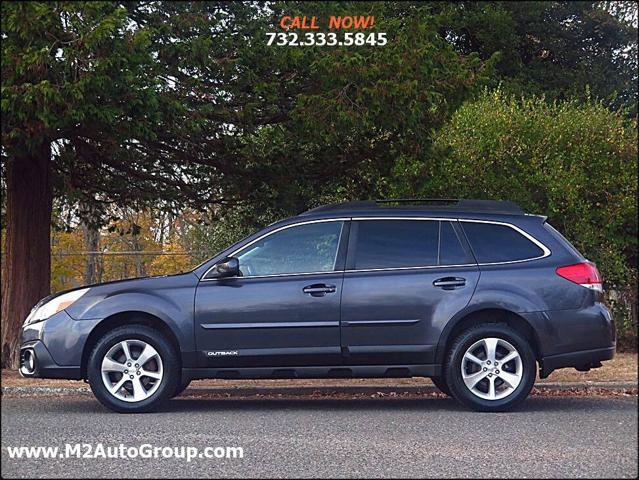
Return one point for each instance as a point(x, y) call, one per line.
point(475, 294)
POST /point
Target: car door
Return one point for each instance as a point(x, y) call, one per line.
point(404, 279)
point(284, 309)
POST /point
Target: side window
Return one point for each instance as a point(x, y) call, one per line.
point(499, 243)
point(451, 251)
point(396, 243)
point(302, 249)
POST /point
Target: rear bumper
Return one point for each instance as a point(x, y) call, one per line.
point(36, 361)
point(576, 338)
point(582, 360)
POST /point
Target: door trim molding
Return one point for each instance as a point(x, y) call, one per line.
point(232, 326)
point(375, 323)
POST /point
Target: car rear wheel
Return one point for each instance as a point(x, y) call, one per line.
point(181, 386)
point(490, 367)
point(133, 369)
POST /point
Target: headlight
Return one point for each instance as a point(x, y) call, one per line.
point(53, 306)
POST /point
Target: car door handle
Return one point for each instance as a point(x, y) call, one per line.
point(450, 283)
point(319, 289)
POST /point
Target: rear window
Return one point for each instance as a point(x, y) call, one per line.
point(396, 243)
point(499, 243)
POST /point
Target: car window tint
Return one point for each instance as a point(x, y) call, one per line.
point(302, 249)
point(499, 243)
point(451, 251)
point(396, 243)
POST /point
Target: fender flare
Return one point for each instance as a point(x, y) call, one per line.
point(505, 307)
point(169, 313)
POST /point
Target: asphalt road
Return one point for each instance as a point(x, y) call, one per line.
point(433, 437)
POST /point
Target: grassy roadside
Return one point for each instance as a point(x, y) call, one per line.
point(623, 368)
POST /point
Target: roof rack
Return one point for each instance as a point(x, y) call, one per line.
point(468, 205)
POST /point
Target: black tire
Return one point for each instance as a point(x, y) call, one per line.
point(440, 383)
point(170, 369)
point(453, 367)
point(181, 386)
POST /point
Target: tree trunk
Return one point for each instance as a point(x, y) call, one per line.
point(140, 268)
point(93, 270)
point(27, 269)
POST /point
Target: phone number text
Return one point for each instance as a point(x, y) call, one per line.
point(331, 39)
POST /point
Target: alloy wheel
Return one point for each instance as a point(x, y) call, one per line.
point(492, 368)
point(132, 370)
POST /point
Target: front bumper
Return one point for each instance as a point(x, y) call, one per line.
point(36, 361)
point(54, 347)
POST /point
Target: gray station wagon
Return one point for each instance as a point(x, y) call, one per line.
point(475, 294)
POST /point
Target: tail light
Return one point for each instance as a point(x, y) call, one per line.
point(584, 274)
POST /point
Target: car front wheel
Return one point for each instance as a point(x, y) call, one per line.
point(440, 383)
point(133, 369)
point(490, 367)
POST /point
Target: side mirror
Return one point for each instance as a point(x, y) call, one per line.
point(229, 267)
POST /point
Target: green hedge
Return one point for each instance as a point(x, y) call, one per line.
point(574, 162)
